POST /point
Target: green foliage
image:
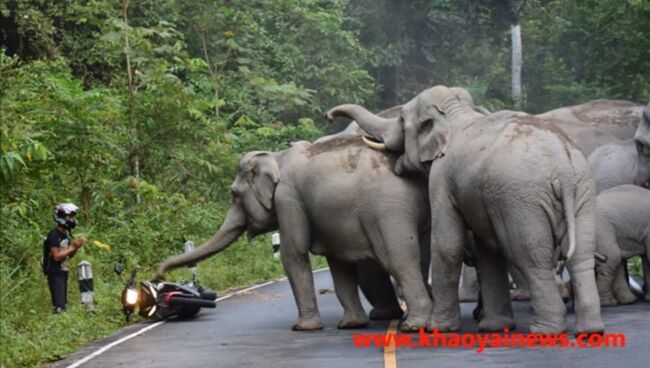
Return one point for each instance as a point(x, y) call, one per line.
point(574, 51)
point(579, 51)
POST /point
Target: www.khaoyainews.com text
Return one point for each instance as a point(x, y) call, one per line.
point(481, 341)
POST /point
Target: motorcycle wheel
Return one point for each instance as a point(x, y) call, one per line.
point(208, 295)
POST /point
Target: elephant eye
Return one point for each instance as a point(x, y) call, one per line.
point(642, 149)
point(427, 124)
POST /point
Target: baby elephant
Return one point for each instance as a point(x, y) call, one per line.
point(614, 164)
point(623, 232)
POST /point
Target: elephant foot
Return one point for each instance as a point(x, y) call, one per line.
point(356, 319)
point(625, 296)
point(548, 327)
point(590, 327)
point(352, 323)
point(444, 326)
point(413, 324)
point(608, 301)
point(379, 314)
point(496, 324)
point(308, 324)
point(519, 294)
point(647, 297)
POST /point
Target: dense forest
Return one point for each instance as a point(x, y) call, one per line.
point(138, 111)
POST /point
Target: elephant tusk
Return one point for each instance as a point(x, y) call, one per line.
point(374, 145)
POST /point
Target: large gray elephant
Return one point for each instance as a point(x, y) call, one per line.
point(615, 117)
point(623, 232)
point(518, 184)
point(336, 198)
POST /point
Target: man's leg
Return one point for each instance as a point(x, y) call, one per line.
point(58, 283)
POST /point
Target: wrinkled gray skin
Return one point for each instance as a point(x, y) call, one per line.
point(624, 162)
point(593, 128)
point(614, 164)
point(517, 184)
point(623, 232)
point(339, 199)
point(595, 123)
point(642, 141)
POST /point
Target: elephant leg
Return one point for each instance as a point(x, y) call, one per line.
point(524, 234)
point(377, 287)
point(549, 311)
point(294, 231)
point(497, 309)
point(621, 287)
point(425, 259)
point(522, 291)
point(606, 271)
point(402, 262)
point(469, 290)
point(448, 235)
point(344, 275)
point(581, 269)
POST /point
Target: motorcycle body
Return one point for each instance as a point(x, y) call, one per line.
point(162, 299)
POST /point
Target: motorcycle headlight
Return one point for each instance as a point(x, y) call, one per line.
point(131, 297)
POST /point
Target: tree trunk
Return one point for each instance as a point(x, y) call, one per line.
point(516, 66)
point(134, 125)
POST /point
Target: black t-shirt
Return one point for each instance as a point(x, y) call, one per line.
point(60, 240)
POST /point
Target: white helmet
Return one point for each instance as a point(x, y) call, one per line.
point(62, 210)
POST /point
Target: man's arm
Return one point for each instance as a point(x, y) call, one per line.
point(59, 254)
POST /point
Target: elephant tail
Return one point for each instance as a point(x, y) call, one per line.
point(568, 201)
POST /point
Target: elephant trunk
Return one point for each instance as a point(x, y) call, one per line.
point(233, 226)
point(386, 130)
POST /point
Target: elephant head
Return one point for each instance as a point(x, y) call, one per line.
point(642, 140)
point(251, 210)
point(421, 133)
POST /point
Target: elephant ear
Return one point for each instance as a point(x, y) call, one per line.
point(265, 174)
point(433, 137)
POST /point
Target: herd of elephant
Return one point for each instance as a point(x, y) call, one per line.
point(414, 191)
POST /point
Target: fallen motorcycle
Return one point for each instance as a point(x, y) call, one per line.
point(161, 299)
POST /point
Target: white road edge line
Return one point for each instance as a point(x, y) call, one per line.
point(150, 327)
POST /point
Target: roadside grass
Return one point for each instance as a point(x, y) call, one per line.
point(32, 336)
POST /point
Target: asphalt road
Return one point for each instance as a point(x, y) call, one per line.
point(253, 329)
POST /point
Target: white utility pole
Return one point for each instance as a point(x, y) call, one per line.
point(516, 65)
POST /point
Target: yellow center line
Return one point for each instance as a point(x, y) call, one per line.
point(390, 357)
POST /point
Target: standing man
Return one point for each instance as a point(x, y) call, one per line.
point(57, 251)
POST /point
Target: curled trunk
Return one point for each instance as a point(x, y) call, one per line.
point(386, 130)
